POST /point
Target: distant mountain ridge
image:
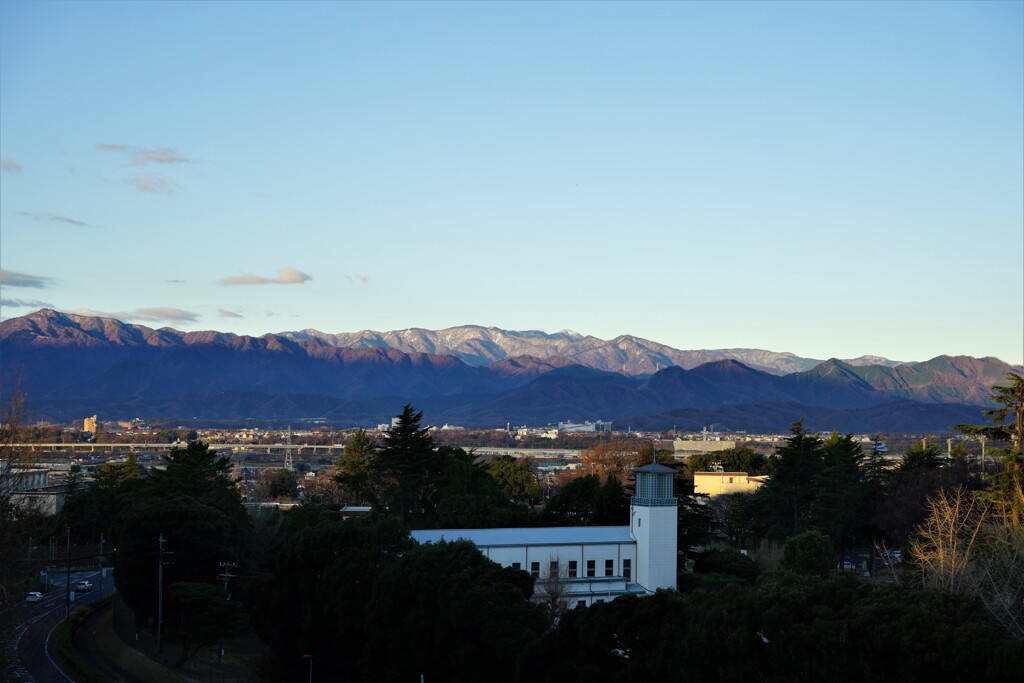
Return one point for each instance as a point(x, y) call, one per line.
point(72, 365)
point(625, 354)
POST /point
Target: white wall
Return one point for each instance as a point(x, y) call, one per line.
point(655, 531)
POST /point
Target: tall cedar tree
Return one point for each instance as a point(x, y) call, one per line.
point(407, 467)
point(846, 495)
point(785, 500)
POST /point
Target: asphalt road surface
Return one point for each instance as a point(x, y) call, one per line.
point(27, 645)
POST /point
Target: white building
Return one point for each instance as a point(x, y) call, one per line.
point(596, 563)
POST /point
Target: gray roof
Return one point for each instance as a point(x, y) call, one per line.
point(654, 467)
point(559, 535)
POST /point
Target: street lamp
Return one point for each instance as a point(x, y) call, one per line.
point(310, 658)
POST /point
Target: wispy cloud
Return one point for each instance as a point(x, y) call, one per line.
point(14, 279)
point(143, 156)
point(24, 303)
point(47, 217)
point(176, 281)
point(356, 277)
point(10, 165)
point(153, 183)
point(285, 276)
point(228, 314)
point(157, 314)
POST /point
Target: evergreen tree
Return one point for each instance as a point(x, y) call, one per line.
point(922, 455)
point(354, 469)
point(514, 477)
point(1006, 488)
point(846, 496)
point(783, 505)
point(406, 467)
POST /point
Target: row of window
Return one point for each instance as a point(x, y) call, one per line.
point(573, 569)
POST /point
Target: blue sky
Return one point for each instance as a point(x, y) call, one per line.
point(830, 179)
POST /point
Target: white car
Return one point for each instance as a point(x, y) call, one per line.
point(34, 596)
point(83, 586)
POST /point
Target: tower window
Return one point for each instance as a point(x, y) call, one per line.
point(535, 570)
point(609, 567)
point(591, 568)
point(627, 569)
point(572, 569)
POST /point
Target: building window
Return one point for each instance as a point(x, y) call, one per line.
point(516, 565)
point(553, 569)
point(598, 600)
point(639, 521)
point(591, 568)
point(572, 569)
point(609, 567)
point(627, 569)
point(535, 570)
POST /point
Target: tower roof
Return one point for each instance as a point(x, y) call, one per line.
point(654, 468)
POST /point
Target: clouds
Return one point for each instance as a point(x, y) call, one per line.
point(156, 314)
point(142, 156)
point(47, 217)
point(285, 276)
point(10, 166)
point(153, 183)
point(14, 279)
point(228, 314)
point(24, 303)
point(356, 277)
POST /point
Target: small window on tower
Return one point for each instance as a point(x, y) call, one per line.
point(591, 568)
point(627, 569)
point(609, 567)
point(535, 570)
point(516, 565)
point(572, 569)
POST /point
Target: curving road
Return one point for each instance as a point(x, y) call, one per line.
point(28, 644)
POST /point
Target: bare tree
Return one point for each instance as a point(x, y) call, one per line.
point(997, 576)
point(553, 589)
point(768, 555)
point(966, 547)
point(946, 541)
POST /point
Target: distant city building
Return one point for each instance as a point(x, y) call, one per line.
point(588, 426)
point(90, 424)
point(591, 564)
point(717, 483)
point(686, 447)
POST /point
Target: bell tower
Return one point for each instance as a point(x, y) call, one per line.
point(653, 520)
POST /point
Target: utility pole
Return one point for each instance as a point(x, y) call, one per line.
point(227, 575)
point(67, 576)
point(160, 595)
point(102, 570)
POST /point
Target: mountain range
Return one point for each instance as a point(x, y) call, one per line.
point(71, 366)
